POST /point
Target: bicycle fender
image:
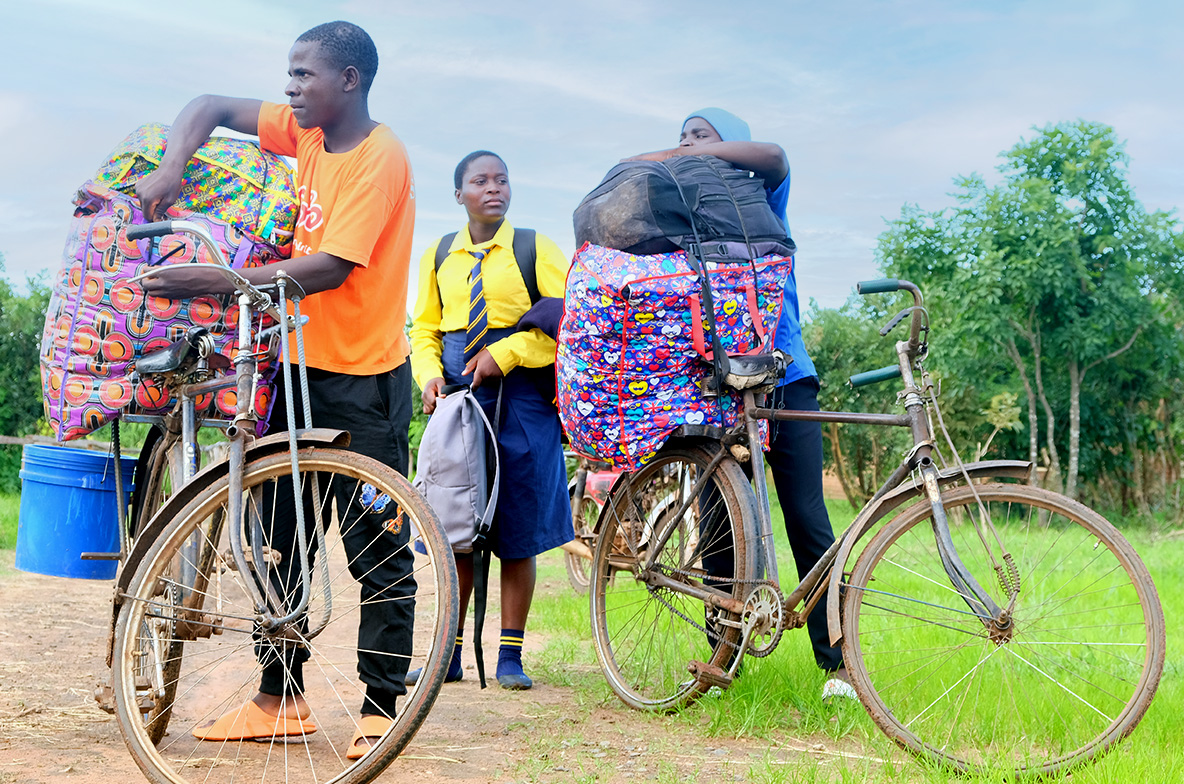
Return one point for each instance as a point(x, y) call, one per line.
point(260, 447)
point(900, 495)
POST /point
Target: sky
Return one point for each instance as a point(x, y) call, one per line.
point(878, 104)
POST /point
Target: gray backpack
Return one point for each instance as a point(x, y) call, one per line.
point(451, 471)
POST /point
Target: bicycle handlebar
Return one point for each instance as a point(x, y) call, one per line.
point(881, 286)
point(874, 376)
point(145, 231)
point(260, 300)
point(877, 286)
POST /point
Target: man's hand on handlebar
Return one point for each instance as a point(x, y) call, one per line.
point(187, 280)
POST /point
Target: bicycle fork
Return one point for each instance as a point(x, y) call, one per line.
point(996, 619)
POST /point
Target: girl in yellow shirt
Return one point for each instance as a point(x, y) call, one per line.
point(464, 332)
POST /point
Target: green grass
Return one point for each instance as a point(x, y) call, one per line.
point(10, 504)
point(777, 701)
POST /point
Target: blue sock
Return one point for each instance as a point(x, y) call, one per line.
point(454, 669)
point(509, 655)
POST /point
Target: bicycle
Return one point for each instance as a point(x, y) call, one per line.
point(207, 587)
point(985, 625)
point(587, 491)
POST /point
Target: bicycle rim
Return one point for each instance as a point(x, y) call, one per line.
point(579, 568)
point(220, 671)
point(159, 461)
point(1073, 674)
point(646, 636)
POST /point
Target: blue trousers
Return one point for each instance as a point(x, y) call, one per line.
point(795, 458)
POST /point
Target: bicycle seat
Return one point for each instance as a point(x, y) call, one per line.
point(748, 371)
point(173, 356)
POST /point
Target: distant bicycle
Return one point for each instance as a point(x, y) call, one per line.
point(587, 489)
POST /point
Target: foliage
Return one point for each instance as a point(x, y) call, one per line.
point(22, 318)
point(843, 342)
point(1057, 287)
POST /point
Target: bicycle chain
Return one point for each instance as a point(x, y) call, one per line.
point(702, 627)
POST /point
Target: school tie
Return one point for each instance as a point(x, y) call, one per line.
point(478, 313)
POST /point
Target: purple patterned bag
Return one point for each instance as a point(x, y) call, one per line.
point(98, 323)
point(632, 346)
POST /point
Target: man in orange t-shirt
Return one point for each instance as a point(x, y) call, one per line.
point(352, 256)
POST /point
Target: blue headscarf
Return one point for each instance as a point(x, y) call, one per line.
point(729, 127)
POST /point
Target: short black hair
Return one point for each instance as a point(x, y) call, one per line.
point(459, 176)
point(345, 44)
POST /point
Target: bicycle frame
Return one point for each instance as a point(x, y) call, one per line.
point(240, 431)
point(928, 480)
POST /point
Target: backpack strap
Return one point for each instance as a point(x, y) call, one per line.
point(525, 253)
point(442, 250)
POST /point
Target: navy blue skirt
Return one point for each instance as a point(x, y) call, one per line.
point(533, 510)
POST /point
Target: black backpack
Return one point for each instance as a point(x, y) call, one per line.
point(698, 203)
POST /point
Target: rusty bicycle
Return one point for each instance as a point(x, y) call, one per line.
point(986, 623)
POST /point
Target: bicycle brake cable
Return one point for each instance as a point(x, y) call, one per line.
point(1009, 581)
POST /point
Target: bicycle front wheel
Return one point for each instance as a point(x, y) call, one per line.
point(376, 525)
point(579, 568)
point(1070, 676)
point(648, 623)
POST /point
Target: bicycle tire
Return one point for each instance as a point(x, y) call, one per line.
point(645, 637)
point(1072, 676)
point(579, 569)
point(220, 670)
point(153, 484)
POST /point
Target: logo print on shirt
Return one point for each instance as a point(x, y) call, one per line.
point(311, 216)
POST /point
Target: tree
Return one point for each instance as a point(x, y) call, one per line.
point(843, 342)
point(1053, 270)
point(22, 319)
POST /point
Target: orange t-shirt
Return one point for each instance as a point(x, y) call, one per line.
point(358, 206)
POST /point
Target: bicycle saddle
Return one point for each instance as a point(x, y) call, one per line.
point(747, 371)
point(173, 356)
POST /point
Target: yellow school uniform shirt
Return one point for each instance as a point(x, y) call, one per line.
point(506, 299)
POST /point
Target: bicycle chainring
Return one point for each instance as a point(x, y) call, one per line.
point(764, 612)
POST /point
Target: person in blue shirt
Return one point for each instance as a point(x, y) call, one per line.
point(795, 448)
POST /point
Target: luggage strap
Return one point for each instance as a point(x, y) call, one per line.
point(482, 551)
point(697, 337)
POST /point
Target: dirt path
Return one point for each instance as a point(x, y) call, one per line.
point(51, 658)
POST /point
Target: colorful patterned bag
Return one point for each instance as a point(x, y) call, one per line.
point(228, 179)
point(98, 322)
point(633, 341)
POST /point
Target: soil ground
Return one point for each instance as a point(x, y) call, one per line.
point(52, 633)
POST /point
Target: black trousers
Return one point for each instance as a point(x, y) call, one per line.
point(376, 410)
point(795, 458)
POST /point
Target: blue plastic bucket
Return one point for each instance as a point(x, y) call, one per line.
point(68, 508)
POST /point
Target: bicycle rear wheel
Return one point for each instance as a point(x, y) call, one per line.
point(1070, 677)
point(222, 641)
point(646, 633)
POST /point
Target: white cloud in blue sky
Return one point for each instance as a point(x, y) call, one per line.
point(877, 104)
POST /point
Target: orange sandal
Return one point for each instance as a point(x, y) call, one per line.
point(370, 728)
point(250, 722)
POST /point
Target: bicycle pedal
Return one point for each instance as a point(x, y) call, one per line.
point(709, 675)
point(105, 697)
